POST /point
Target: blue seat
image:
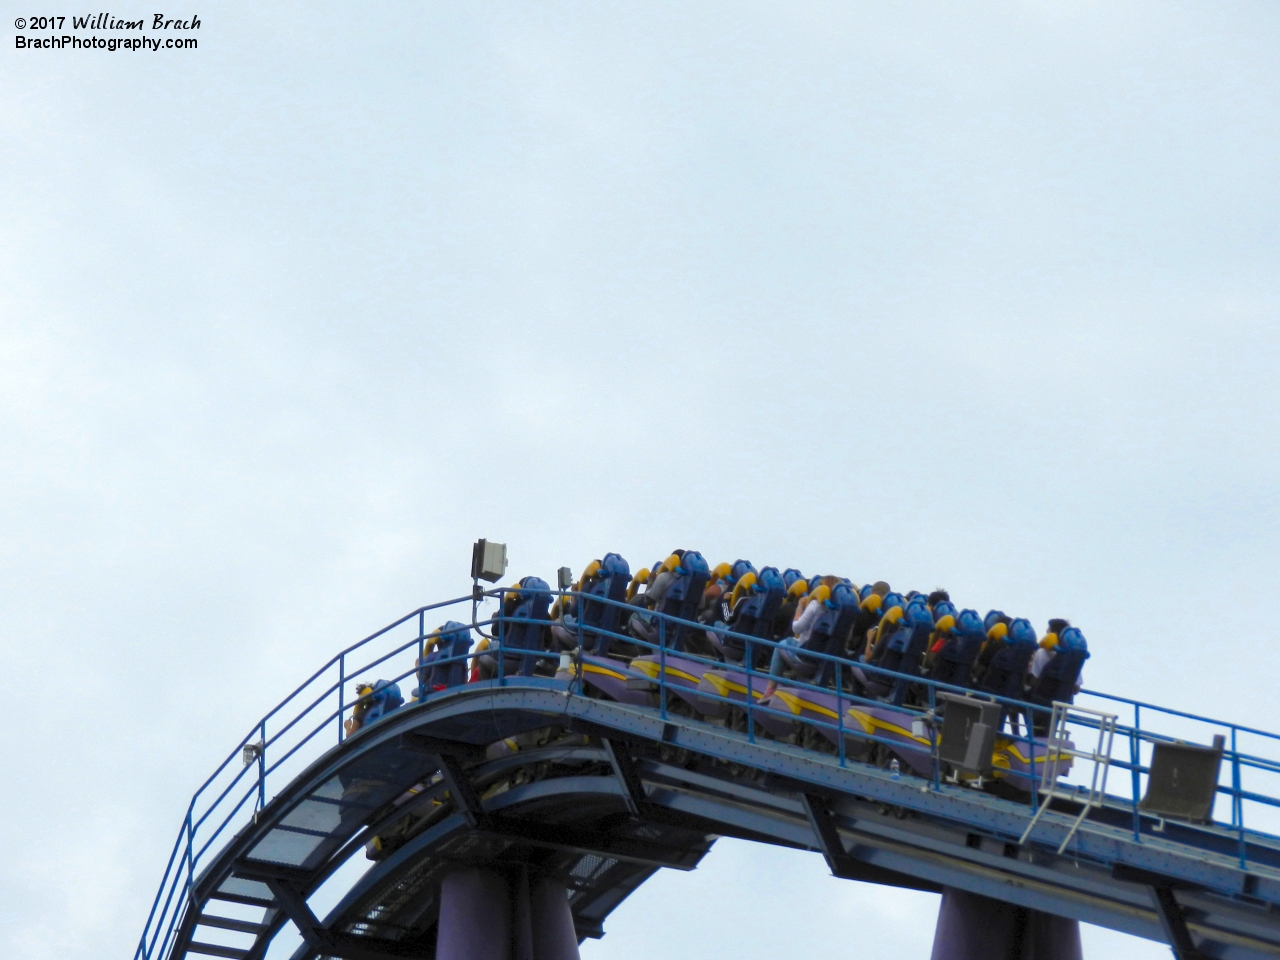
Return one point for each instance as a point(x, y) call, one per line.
point(830, 635)
point(383, 697)
point(1005, 675)
point(945, 608)
point(954, 664)
point(683, 597)
point(609, 583)
point(906, 648)
point(754, 617)
point(888, 622)
point(452, 640)
point(1057, 681)
point(521, 641)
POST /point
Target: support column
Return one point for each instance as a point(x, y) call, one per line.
point(490, 915)
point(554, 937)
point(475, 916)
point(973, 927)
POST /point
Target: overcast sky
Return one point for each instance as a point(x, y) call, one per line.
point(982, 296)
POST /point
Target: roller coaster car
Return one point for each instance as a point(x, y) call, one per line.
point(1011, 764)
point(614, 679)
point(682, 678)
point(793, 711)
point(728, 684)
point(900, 733)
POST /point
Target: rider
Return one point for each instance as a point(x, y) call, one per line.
point(1058, 677)
point(797, 588)
point(375, 702)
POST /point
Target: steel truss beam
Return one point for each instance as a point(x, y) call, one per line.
point(1170, 912)
point(843, 865)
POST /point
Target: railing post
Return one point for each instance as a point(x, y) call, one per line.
point(502, 660)
point(1237, 802)
point(191, 867)
point(662, 665)
point(262, 763)
point(751, 693)
point(1029, 722)
point(1135, 763)
point(933, 740)
point(422, 635)
point(342, 682)
point(839, 712)
point(582, 612)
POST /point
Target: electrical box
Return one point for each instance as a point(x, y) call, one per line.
point(969, 729)
point(564, 578)
point(488, 561)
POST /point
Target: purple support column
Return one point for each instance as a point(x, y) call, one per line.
point(554, 937)
point(487, 915)
point(475, 916)
point(973, 927)
point(521, 917)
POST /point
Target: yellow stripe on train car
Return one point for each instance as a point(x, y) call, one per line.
point(723, 685)
point(651, 669)
point(795, 704)
point(871, 723)
point(592, 668)
point(1013, 747)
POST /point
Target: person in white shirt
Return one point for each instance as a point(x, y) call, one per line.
point(802, 629)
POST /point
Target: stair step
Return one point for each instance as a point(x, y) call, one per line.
point(227, 923)
point(241, 898)
point(214, 950)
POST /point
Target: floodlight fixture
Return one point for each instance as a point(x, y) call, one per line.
point(251, 752)
point(488, 561)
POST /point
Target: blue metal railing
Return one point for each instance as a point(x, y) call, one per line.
point(231, 797)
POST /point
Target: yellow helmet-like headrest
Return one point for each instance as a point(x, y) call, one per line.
point(820, 593)
point(1049, 641)
point(642, 576)
point(592, 569)
point(743, 586)
point(892, 615)
point(945, 623)
point(798, 589)
point(721, 571)
point(670, 563)
point(363, 688)
point(998, 631)
point(872, 602)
